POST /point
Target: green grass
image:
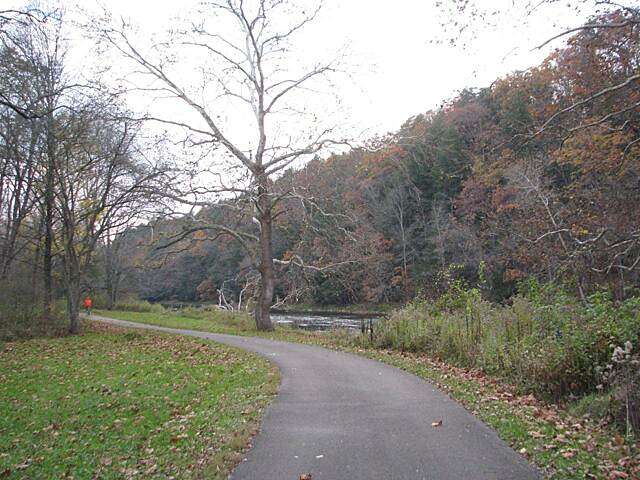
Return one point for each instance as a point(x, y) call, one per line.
point(563, 445)
point(205, 320)
point(117, 403)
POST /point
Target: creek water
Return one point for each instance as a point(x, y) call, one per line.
point(303, 320)
point(323, 320)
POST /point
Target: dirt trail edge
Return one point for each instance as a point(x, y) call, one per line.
point(343, 417)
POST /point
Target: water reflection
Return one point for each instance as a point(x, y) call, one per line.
point(322, 321)
point(305, 321)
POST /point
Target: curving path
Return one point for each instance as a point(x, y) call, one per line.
point(343, 417)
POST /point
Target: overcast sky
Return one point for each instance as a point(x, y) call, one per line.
point(399, 69)
point(398, 66)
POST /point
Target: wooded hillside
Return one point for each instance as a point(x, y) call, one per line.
point(533, 177)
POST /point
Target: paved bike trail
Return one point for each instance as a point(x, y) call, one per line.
point(339, 416)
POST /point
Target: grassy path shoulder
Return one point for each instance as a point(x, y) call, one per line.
point(116, 403)
point(562, 445)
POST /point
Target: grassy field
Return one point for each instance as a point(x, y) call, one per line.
point(115, 403)
point(561, 444)
point(206, 321)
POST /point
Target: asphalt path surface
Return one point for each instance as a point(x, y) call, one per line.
point(339, 416)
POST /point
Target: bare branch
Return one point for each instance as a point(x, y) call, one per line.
point(604, 91)
point(589, 26)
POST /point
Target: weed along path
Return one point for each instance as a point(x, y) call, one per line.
point(342, 417)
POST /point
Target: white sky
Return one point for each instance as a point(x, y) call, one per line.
point(398, 72)
point(397, 69)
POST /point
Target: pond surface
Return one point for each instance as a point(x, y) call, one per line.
point(323, 320)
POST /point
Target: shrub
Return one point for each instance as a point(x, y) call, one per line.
point(547, 344)
point(22, 315)
point(132, 304)
point(622, 375)
point(241, 321)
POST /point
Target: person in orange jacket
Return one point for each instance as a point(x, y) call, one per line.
point(88, 304)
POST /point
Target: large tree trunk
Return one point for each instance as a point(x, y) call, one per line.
point(47, 255)
point(73, 302)
point(73, 295)
point(112, 276)
point(266, 268)
point(72, 272)
point(112, 297)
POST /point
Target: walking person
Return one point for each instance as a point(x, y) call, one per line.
point(88, 304)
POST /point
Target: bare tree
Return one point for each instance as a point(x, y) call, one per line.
point(20, 161)
point(101, 184)
point(114, 266)
point(244, 50)
point(396, 198)
point(32, 88)
point(14, 24)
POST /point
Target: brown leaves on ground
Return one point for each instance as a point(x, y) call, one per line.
point(436, 424)
point(101, 327)
point(177, 438)
point(616, 475)
point(305, 476)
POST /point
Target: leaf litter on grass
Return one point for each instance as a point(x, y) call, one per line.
point(112, 403)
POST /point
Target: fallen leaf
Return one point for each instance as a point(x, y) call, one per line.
point(536, 434)
point(436, 424)
point(619, 441)
point(182, 436)
point(24, 465)
point(305, 476)
point(616, 475)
